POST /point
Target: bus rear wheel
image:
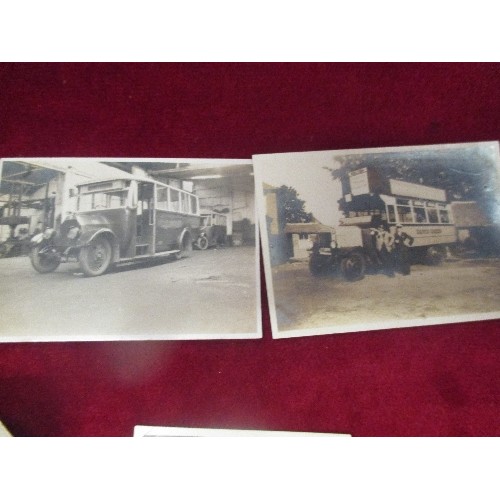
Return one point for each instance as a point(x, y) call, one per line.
point(186, 247)
point(353, 266)
point(435, 255)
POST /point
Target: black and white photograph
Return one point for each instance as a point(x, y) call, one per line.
point(380, 238)
point(128, 249)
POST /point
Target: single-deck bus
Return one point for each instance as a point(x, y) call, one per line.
point(120, 220)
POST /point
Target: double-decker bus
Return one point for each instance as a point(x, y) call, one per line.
point(120, 220)
point(370, 200)
point(422, 211)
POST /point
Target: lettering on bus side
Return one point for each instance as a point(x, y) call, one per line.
point(430, 231)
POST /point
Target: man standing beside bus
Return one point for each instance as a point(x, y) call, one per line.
point(384, 242)
point(400, 254)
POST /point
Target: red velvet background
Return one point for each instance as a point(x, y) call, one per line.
point(441, 380)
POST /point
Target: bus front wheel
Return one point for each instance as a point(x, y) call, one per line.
point(44, 259)
point(95, 258)
point(318, 265)
point(353, 266)
point(202, 243)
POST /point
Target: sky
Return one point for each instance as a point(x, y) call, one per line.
point(305, 172)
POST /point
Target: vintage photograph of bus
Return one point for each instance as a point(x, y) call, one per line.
point(380, 238)
point(127, 248)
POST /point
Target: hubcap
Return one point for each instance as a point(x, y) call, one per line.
point(98, 255)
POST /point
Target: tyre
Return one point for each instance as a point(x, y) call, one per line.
point(202, 243)
point(435, 255)
point(44, 259)
point(318, 265)
point(186, 247)
point(95, 258)
point(471, 244)
point(221, 240)
point(353, 266)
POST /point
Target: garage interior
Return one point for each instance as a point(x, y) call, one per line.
point(227, 189)
point(34, 194)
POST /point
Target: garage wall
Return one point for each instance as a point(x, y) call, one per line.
point(35, 215)
point(240, 202)
point(58, 189)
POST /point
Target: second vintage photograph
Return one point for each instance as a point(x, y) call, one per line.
point(380, 238)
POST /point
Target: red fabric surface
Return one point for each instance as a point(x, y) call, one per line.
point(438, 380)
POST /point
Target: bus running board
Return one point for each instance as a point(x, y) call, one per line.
point(148, 256)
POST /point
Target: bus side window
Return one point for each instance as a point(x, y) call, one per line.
point(194, 205)
point(174, 200)
point(162, 198)
point(433, 216)
point(405, 214)
point(444, 216)
point(391, 213)
point(185, 203)
point(420, 214)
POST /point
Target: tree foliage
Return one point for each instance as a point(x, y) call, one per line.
point(466, 173)
point(291, 207)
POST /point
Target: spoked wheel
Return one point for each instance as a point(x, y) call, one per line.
point(44, 259)
point(95, 258)
point(186, 247)
point(353, 266)
point(435, 255)
point(202, 243)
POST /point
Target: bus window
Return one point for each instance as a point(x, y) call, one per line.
point(116, 199)
point(392, 213)
point(420, 214)
point(185, 203)
point(194, 205)
point(162, 199)
point(111, 199)
point(433, 216)
point(444, 216)
point(404, 214)
point(174, 200)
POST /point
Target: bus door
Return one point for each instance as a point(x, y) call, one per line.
point(145, 219)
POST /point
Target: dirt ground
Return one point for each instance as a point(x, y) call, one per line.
point(456, 287)
point(213, 292)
